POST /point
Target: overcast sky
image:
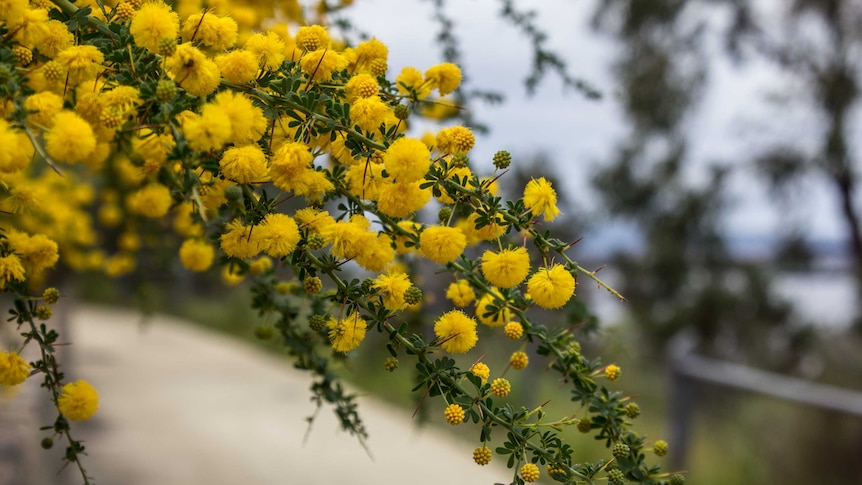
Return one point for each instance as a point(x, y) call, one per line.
point(733, 119)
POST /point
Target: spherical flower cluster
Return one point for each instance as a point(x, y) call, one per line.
point(267, 48)
point(244, 164)
point(152, 200)
point(612, 372)
point(279, 235)
point(153, 22)
point(445, 77)
point(457, 140)
point(312, 285)
point(13, 369)
point(407, 160)
point(392, 288)
point(312, 38)
point(513, 330)
point(541, 198)
point(11, 269)
point(456, 331)
point(193, 70)
point(519, 360)
point(482, 456)
point(238, 66)
point(80, 63)
point(454, 414)
point(70, 139)
point(217, 33)
point(461, 293)
point(78, 401)
point(551, 287)
point(621, 451)
point(501, 387)
point(442, 244)
point(529, 472)
point(196, 255)
point(481, 370)
point(660, 448)
point(345, 335)
point(368, 113)
point(507, 268)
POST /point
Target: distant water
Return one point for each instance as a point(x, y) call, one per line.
point(826, 299)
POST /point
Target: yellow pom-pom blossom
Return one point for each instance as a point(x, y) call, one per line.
point(410, 79)
point(361, 86)
point(17, 150)
point(244, 165)
point(241, 241)
point(442, 244)
point(193, 71)
point(209, 131)
point(481, 370)
point(42, 107)
point(217, 33)
point(365, 180)
point(320, 64)
point(482, 456)
point(288, 162)
point(454, 414)
point(513, 330)
point(196, 255)
point(37, 252)
point(456, 140)
point(153, 22)
point(57, 38)
point(246, 120)
point(13, 369)
point(368, 113)
point(153, 200)
point(279, 235)
point(12, 10)
point(345, 335)
point(239, 66)
point(267, 48)
point(78, 401)
point(541, 198)
point(403, 198)
point(312, 38)
point(371, 50)
point(407, 160)
point(612, 372)
point(457, 332)
point(445, 77)
point(529, 472)
point(11, 269)
point(493, 318)
point(501, 387)
point(519, 360)
point(461, 293)
point(70, 139)
point(379, 255)
point(507, 268)
point(314, 219)
point(349, 239)
point(551, 287)
point(391, 288)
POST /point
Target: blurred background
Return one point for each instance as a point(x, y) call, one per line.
point(707, 153)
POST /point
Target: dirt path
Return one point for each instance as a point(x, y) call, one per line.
point(180, 405)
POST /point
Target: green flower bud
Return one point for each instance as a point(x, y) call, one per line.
point(502, 159)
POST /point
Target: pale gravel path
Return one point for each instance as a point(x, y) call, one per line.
point(180, 405)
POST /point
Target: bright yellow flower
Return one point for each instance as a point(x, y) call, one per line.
point(541, 198)
point(455, 140)
point(368, 113)
point(217, 33)
point(407, 160)
point(17, 149)
point(551, 287)
point(442, 244)
point(371, 50)
point(70, 139)
point(244, 164)
point(153, 22)
point(193, 71)
point(365, 180)
point(78, 401)
point(445, 77)
point(238, 66)
point(152, 200)
point(346, 334)
point(457, 332)
point(13, 369)
point(246, 120)
point(42, 107)
point(279, 235)
point(57, 38)
point(454, 414)
point(209, 131)
point(320, 64)
point(481, 371)
point(402, 199)
point(461, 293)
point(507, 268)
point(267, 48)
point(349, 239)
point(391, 288)
point(312, 38)
point(378, 256)
point(196, 255)
point(361, 86)
point(241, 241)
